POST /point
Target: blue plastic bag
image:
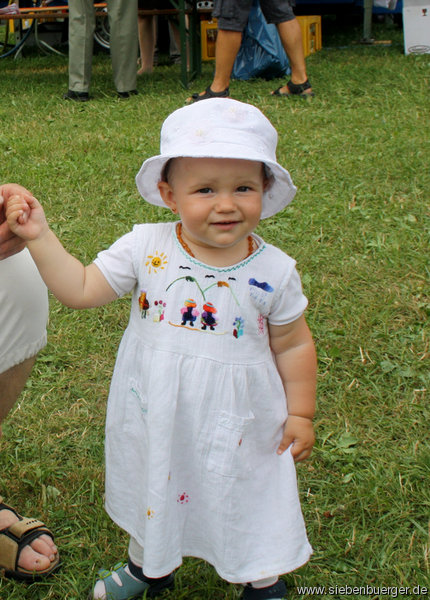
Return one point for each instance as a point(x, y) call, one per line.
point(261, 53)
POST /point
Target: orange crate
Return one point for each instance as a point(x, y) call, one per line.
point(311, 33)
point(208, 31)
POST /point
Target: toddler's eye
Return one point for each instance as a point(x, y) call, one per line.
point(243, 188)
point(206, 190)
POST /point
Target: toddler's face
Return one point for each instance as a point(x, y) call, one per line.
point(218, 200)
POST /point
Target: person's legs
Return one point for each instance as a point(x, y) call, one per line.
point(281, 14)
point(12, 383)
point(126, 581)
point(147, 31)
point(227, 47)
point(232, 17)
point(23, 317)
point(124, 43)
point(81, 36)
point(291, 37)
point(42, 551)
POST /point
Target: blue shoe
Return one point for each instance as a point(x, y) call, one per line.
point(130, 588)
point(276, 591)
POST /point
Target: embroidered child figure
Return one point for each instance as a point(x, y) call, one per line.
point(208, 318)
point(189, 312)
point(223, 420)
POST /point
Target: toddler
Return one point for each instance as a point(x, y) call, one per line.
point(213, 392)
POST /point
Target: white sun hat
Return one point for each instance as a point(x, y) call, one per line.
point(219, 128)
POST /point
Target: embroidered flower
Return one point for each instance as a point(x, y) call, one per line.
point(260, 325)
point(150, 513)
point(159, 307)
point(183, 498)
point(238, 327)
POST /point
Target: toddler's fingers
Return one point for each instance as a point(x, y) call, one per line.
point(22, 217)
point(300, 452)
point(286, 441)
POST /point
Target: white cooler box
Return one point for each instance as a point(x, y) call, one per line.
point(416, 26)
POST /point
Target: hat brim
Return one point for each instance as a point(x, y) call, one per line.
point(275, 198)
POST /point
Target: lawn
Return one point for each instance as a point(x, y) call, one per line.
point(358, 228)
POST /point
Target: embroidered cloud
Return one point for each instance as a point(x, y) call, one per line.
point(260, 294)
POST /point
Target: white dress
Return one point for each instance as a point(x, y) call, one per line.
point(196, 409)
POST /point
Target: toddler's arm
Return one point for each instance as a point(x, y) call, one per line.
point(70, 281)
point(295, 356)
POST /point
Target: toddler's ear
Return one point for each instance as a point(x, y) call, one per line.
point(166, 194)
point(268, 178)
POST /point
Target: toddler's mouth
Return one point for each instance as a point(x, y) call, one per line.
point(225, 223)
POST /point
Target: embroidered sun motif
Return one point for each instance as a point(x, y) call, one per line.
point(155, 262)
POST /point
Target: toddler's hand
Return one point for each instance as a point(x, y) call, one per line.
point(17, 211)
point(25, 217)
point(299, 432)
point(10, 243)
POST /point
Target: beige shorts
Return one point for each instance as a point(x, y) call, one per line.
point(23, 310)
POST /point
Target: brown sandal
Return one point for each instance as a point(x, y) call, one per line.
point(13, 539)
point(295, 89)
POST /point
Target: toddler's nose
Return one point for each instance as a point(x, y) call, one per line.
point(225, 203)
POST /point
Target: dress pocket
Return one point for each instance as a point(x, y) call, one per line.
point(137, 405)
point(231, 446)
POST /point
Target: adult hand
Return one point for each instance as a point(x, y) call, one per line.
point(10, 243)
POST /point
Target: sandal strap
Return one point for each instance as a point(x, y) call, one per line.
point(129, 588)
point(213, 94)
point(209, 93)
point(14, 538)
point(4, 506)
point(298, 88)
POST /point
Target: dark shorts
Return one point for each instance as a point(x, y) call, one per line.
point(152, 4)
point(232, 15)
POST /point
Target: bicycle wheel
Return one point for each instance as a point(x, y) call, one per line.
point(101, 33)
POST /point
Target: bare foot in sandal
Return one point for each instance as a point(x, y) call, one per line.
point(208, 93)
point(39, 555)
point(304, 90)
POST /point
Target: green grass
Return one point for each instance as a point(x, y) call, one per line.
point(358, 228)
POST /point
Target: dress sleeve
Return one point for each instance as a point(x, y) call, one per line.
point(117, 264)
point(290, 302)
